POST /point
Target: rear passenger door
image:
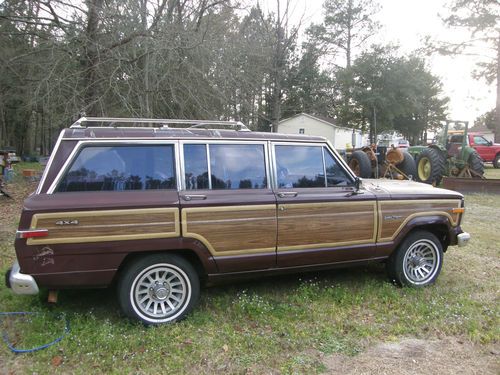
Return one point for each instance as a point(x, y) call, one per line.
point(227, 202)
point(321, 219)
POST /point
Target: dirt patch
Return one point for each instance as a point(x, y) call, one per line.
point(416, 356)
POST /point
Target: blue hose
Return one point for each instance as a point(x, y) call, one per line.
point(19, 351)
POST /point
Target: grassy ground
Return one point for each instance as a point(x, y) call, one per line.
point(310, 323)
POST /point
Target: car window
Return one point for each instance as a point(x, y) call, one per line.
point(456, 139)
point(478, 140)
point(299, 166)
point(120, 168)
point(196, 166)
point(335, 174)
point(237, 166)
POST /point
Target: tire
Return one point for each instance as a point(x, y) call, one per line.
point(408, 166)
point(158, 288)
point(496, 162)
point(476, 164)
point(360, 164)
point(417, 261)
point(430, 166)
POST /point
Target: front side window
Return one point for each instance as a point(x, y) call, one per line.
point(232, 166)
point(299, 166)
point(478, 140)
point(120, 168)
point(335, 174)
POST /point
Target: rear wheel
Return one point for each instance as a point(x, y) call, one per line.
point(408, 166)
point(417, 261)
point(496, 162)
point(360, 164)
point(430, 166)
point(158, 288)
point(476, 164)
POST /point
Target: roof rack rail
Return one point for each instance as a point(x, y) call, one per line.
point(162, 123)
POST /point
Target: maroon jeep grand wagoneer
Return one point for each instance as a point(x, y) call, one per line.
point(159, 209)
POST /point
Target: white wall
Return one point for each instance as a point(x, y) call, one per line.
point(339, 137)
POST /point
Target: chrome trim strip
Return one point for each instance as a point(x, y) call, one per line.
point(209, 167)
point(49, 163)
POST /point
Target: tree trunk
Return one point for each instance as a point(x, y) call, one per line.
point(497, 108)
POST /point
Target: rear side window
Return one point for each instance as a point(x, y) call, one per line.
point(231, 166)
point(121, 168)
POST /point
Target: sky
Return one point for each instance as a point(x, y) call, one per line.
point(406, 22)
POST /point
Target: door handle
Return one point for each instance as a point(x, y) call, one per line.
point(288, 194)
point(193, 197)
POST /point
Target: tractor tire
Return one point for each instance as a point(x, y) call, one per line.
point(360, 164)
point(496, 162)
point(476, 164)
point(408, 166)
point(430, 166)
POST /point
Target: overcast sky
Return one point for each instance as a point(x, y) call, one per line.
point(405, 22)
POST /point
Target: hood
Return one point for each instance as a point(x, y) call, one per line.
point(405, 189)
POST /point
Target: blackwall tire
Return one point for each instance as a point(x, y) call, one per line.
point(430, 166)
point(496, 162)
point(417, 261)
point(408, 166)
point(158, 289)
point(360, 164)
point(476, 164)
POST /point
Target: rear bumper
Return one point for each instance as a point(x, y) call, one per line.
point(19, 282)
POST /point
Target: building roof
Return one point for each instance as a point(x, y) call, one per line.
point(326, 120)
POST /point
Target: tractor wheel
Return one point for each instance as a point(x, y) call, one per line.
point(430, 166)
point(476, 164)
point(496, 162)
point(408, 166)
point(360, 164)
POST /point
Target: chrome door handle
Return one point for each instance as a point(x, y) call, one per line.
point(288, 194)
point(193, 197)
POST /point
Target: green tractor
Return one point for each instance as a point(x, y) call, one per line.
point(450, 156)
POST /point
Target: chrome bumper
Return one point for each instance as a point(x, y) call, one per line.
point(21, 283)
point(463, 239)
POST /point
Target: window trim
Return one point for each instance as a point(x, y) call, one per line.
point(208, 142)
point(82, 144)
point(324, 145)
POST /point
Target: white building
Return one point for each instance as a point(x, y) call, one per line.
point(340, 137)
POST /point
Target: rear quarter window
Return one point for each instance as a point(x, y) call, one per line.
point(121, 168)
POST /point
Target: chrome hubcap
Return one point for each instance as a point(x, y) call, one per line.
point(421, 262)
point(160, 292)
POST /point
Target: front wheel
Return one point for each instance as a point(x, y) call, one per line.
point(496, 162)
point(158, 288)
point(417, 261)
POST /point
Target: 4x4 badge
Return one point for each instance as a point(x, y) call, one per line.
point(67, 222)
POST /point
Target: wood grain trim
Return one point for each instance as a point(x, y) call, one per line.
point(353, 208)
point(415, 205)
point(225, 230)
point(107, 225)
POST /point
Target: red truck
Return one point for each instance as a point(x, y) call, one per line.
point(489, 151)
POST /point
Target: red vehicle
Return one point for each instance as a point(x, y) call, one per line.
point(489, 151)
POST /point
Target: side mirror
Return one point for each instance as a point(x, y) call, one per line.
point(490, 143)
point(357, 183)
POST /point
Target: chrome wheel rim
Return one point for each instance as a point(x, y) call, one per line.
point(421, 262)
point(160, 293)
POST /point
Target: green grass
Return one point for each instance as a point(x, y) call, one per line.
point(279, 325)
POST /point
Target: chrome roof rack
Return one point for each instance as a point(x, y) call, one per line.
point(113, 122)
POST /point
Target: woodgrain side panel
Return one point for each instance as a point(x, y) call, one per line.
point(393, 215)
point(317, 225)
point(106, 225)
point(232, 230)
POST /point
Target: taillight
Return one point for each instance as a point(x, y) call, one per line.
point(32, 233)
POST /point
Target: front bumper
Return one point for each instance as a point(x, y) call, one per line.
point(19, 282)
point(463, 239)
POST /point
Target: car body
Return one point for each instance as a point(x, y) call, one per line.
point(159, 210)
point(487, 150)
point(403, 143)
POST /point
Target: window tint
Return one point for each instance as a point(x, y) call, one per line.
point(335, 174)
point(237, 166)
point(196, 167)
point(118, 168)
point(299, 166)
